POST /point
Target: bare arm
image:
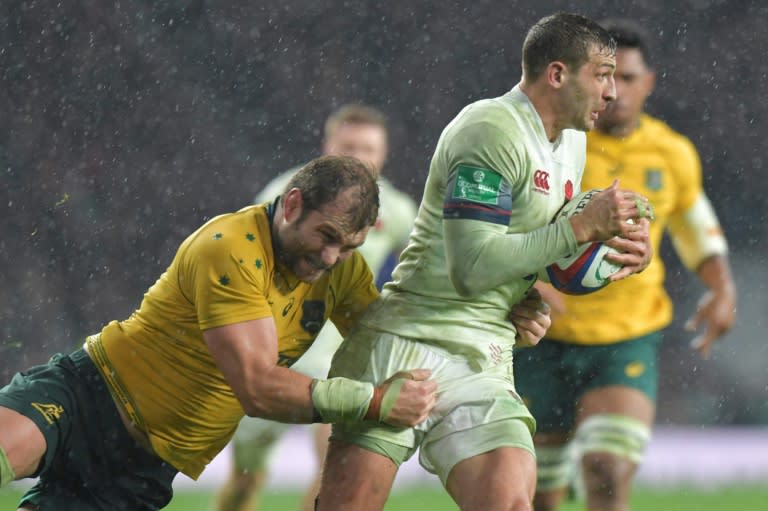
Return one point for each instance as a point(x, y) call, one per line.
point(717, 308)
point(246, 353)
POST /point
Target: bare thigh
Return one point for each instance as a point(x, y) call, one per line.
point(502, 479)
point(22, 441)
point(354, 479)
point(616, 399)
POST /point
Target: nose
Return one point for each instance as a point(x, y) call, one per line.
point(330, 254)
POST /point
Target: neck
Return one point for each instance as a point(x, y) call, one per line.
point(546, 106)
point(275, 212)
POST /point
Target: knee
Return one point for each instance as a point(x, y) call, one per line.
point(245, 483)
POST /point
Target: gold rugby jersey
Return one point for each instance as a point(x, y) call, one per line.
point(664, 166)
point(156, 362)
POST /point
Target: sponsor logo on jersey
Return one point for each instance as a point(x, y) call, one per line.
point(477, 185)
point(50, 412)
point(541, 181)
point(653, 179)
point(288, 306)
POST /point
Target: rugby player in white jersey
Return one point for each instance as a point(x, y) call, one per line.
point(501, 170)
point(352, 130)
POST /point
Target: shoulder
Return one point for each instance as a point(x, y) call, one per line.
point(245, 232)
point(494, 117)
point(665, 137)
point(350, 271)
point(486, 133)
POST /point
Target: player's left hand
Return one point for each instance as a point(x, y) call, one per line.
point(531, 317)
point(717, 309)
point(635, 251)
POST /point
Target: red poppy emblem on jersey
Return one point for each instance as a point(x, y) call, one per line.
point(568, 190)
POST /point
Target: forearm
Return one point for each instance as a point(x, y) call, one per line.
point(715, 273)
point(279, 394)
point(472, 248)
point(288, 396)
point(246, 353)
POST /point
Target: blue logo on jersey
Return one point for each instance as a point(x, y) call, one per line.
point(653, 179)
point(314, 316)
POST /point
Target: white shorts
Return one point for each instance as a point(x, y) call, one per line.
point(477, 410)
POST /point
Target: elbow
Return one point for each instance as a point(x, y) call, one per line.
point(252, 400)
point(251, 406)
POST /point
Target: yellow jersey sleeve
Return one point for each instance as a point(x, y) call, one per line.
point(222, 272)
point(685, 167)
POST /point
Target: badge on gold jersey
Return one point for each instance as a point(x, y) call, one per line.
point(653, 179)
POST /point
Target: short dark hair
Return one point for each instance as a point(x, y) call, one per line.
point(566, 37)
point(322, 179)
point(628, 34)
point(354, 113)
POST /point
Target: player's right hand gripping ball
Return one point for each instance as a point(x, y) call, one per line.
point(586, 270)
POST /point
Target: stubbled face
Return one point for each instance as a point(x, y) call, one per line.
point(366, 142)
point(314, 244)
point(634, 83)
point(590, 91)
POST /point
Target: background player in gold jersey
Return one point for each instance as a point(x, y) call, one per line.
point(109, 426)
point(593, 379)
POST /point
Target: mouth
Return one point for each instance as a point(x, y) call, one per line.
point(316, 264)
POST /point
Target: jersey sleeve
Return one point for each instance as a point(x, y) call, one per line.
point(485, 172)
point(685, 162)
point(223, 280)
point(354, 290)
point(483, 165)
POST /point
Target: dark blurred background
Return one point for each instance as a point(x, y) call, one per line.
point(125, 125)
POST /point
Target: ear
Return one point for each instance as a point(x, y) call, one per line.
point(556, 74)
point(292, 205)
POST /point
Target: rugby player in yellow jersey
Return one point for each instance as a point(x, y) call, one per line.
point(593, 380)
point(352, 130)
point(109, 426)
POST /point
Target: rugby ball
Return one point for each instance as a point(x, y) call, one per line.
point(586, 270)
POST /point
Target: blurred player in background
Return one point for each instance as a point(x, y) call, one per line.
point(594, 378)
point(109, 426)
point(353, 130)
point(481, 235)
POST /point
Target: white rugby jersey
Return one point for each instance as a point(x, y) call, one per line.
point(493, 163)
